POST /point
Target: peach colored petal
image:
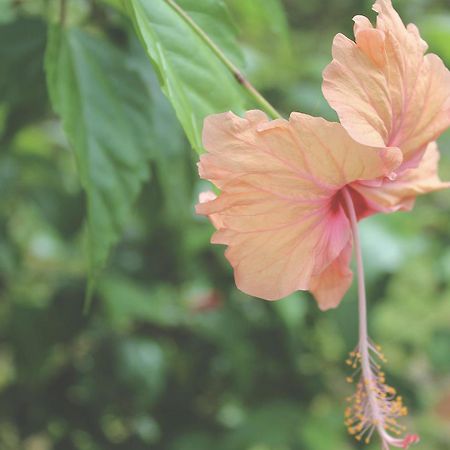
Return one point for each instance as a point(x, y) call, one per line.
point(279, 209)
point(331, 285)
point(208, 196)
point(400, 193)
point(384, 88)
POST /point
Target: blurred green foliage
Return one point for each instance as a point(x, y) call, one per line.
point(171, 355)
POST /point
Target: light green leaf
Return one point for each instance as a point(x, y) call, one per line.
point(191, 75)
point(105, 109)
point(214, 18)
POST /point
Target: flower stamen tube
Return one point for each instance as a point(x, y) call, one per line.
point(374, 406)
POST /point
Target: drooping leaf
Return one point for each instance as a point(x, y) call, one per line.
point(106, 114)
point(191, 75)
point(171, 160)
point(214, 18)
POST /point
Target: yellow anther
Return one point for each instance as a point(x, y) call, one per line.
point(361, 417)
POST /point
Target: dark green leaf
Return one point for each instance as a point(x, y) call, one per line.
point(22, 79)
point(106, 114)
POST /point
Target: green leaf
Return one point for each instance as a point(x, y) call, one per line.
point(106, 112)
point(214, 18)
point(191, 75)
point(173, 170)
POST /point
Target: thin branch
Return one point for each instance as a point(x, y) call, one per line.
point(240, 78)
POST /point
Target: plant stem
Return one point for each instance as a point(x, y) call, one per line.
point(240, 78)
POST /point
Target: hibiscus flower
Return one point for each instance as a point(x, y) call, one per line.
point(282, 211)
point(293, 191)
point(388, 92)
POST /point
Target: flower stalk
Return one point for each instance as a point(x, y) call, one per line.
point(238, 75)
point(375, 406)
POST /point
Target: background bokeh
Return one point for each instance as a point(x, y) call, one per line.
point(171, 355)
